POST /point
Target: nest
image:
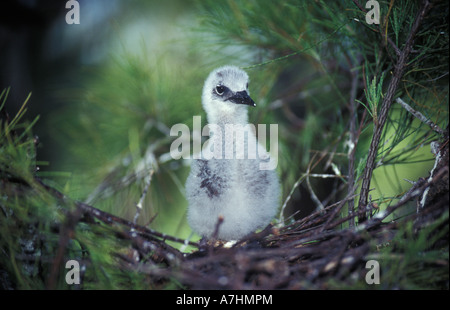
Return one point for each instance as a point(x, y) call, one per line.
point(319, 251)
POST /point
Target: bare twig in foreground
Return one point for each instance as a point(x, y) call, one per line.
point(420, 116)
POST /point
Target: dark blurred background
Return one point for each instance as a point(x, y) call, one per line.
point(40, 53)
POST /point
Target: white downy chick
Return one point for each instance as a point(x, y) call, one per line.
point(233, 189)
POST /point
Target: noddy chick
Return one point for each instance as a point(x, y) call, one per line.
point(235, 190)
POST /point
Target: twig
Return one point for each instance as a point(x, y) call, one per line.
point(216, 229)
point(148, 181)
point(418, 190)
point(387, 102)
point(108, 218)
point(256, 235)
point(419, 116)
point(315, 199)
point(350, 197)
point(215, 234)
point(326, 176)
point(288, 198)
point(437, 163)
point(66, 231)
point(353, 143)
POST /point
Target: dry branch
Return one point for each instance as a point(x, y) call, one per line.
point(304, 254)
point(107, 218)
point(386, 104)
point(420, 116)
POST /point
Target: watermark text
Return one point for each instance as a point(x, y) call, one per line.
point(73, 15)
point(229, 141)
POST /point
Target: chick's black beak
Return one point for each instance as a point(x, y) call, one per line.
point(241, 97)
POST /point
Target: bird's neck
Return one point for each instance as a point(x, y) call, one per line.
point(237, 117)
point(230, 134)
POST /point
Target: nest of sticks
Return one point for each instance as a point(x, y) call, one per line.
point(319, 251)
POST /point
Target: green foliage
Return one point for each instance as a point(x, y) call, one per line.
point(405, 258)
point(16, 160)
point(20, 232)
point(373, 97)
point(33, 224)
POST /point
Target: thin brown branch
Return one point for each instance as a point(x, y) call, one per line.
point(386, 104)
point(108, 218)
point(66, 232)
point(420, 116)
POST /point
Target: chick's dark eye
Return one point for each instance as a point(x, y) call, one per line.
point(220, 90)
